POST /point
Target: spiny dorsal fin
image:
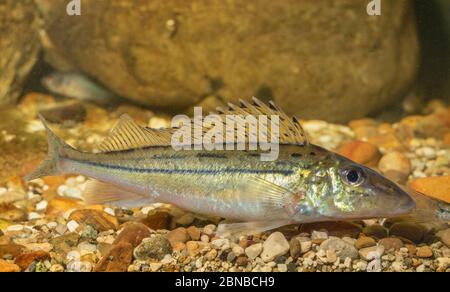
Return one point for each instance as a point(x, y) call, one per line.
point(129, 135)
point(291, 132)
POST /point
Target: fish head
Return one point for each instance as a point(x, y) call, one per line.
point(340, 189)
point(55, 82)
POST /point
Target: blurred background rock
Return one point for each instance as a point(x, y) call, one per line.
point(317, 59)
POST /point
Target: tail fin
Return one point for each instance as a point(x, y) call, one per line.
point(56, 147)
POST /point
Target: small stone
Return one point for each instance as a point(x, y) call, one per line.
point(209, 229)
point(211, 255)
point(204, 238)
point(79, 267)
point(365, 241)
point(437, 187)
point(444, 236)
point(242, 261)
point(411, 231)
point(133, 233)
point(117, 259)
point(72, 226)
point(376, 231)
point(178, 235)
point(157, 220)
point(237, 250)
point(10, 250)
point(331, 256)
point(294, 248)
point(24, 260)
point(64, 243)
point(319, 235)
point(424, 252)
point(41, 206)
point(282, 268)
point(153, 248)
point(305, 246)
point(194, 233)
point(56, 268)
point(275, 245)
point(192, 247)
point(154, 267)
point(361, 152)
point(6, 267)
point(361, 265)
point(231, 257)
point(342, 248)
point(185, 219)
point(391, 243)
point(396, 166)
point(254, 250)
point(370, 253)
point(98, 219)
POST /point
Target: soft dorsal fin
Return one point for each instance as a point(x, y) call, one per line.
point(129, 135)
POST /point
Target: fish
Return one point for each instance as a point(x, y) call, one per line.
point(76, 85)
point(306, 183)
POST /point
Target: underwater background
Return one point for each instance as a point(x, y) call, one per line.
point(374, 88)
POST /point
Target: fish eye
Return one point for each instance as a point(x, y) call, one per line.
point(353, 176)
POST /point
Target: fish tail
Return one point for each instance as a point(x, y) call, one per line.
point(56, 149)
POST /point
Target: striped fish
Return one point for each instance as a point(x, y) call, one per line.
point(307, 183)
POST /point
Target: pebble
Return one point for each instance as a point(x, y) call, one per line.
point(275, 245)
point(133, 233)
point(391, 243)
point(117, 259)
point(444, 236)
point(342, 248)
point(178, 235)
point(282, 268)
point(319, 235)
point(361, 152)
point(254, 250)
point(295, 248)
point(365, 241)
point(155, 247)
point(370, 253)
point(72, 226)
point(424, 252)
point(194, 233)
point(41, 206)
point(437, 187)
point(396, 166)
point(237, 250)
point(7, 267)
point(209, 229)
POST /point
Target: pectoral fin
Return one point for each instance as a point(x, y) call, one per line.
point(99, 193)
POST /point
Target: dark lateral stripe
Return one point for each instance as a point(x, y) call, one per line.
point(211, 155)
point(186, 171)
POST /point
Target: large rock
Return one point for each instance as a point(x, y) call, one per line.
point(19, 46)
point(322, 59)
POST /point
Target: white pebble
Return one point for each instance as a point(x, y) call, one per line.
point(15, 228)
point(34, 216)
point(73, 255)
point(72, 226)
point(41, 206)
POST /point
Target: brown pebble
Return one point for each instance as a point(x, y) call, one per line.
point(157, 220)
point(194, 232)
point(10, 250)
point(365, 241)
point(98, 219)
point(410, 231)
point(133, 233)
point(391, 243)
point(24, 260)
point(361, 152)
point(7, 267)
point(242, 261)
point(178, 235)
point(424, 252)
point(117, 259)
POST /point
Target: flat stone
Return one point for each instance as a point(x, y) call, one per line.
point(117, 259)
point(155, 247)
point(370, 253)
point(275, 245)
point(133, 233)
point(24, 260)
point(254, 250)
point(424, 252)
point(342, 248)
point(178, 235)
point(391, 243)
point(365, 241)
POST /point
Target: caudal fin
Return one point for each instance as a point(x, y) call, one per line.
point(56, 147)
